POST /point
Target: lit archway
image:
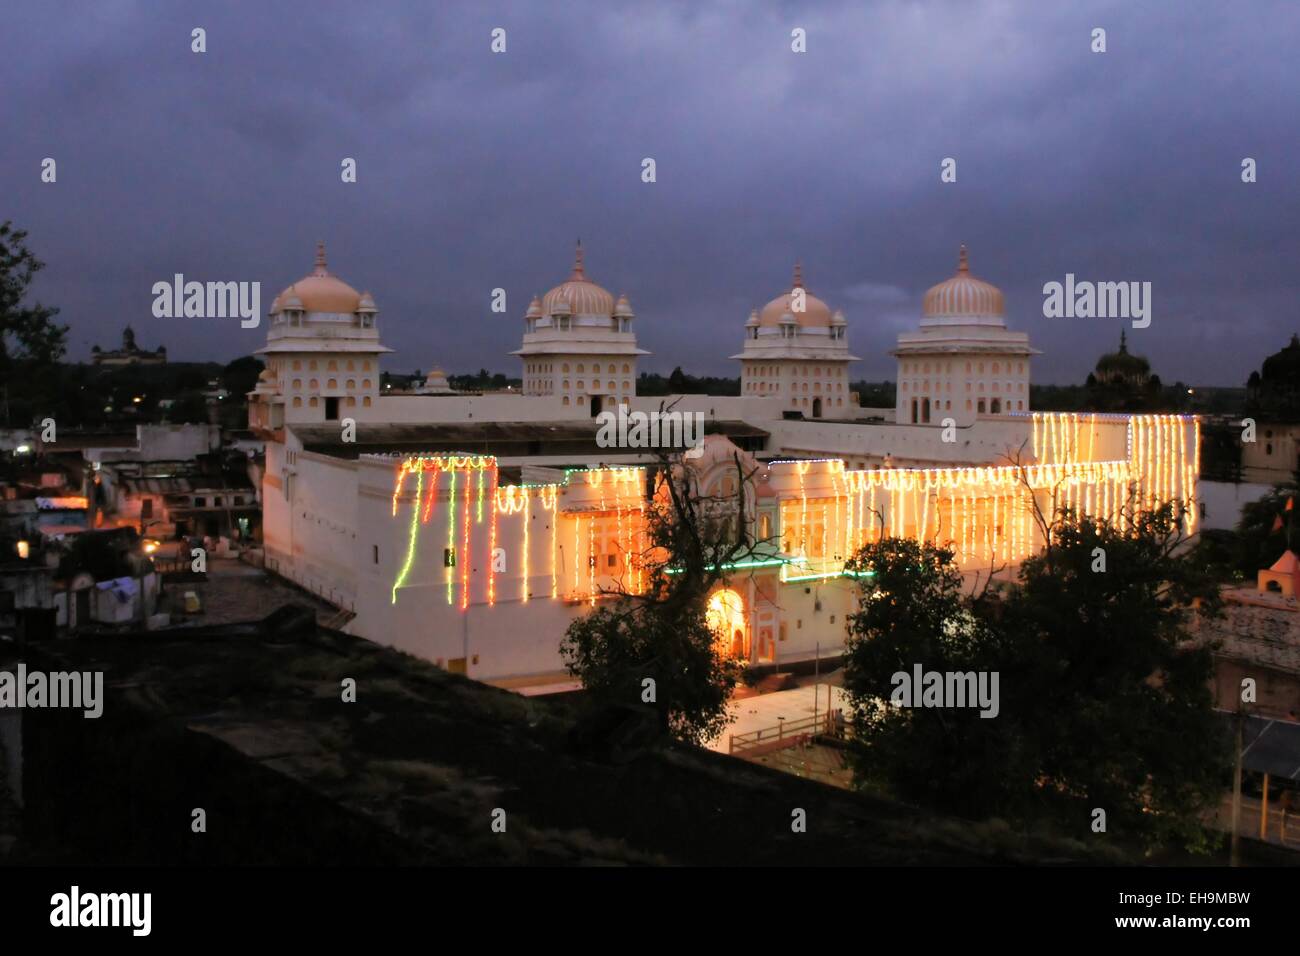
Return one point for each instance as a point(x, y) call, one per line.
point(726, 616)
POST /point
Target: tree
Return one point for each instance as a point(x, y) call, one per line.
point(240, 376)
point(913, 610)
point(661, 632)
point(1127, 720)
point(31, 343)
point(1103, 696)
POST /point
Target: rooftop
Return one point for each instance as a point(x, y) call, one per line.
point(412, 771)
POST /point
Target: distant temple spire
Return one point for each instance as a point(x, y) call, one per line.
point(578, 271)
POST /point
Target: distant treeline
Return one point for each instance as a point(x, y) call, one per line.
point(85, 395)
point(95, 396)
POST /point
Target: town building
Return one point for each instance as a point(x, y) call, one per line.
point(129, 353)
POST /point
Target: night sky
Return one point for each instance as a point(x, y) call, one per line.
point(479, 170)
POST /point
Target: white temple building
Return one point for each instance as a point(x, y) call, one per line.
point(471, 528)
point(322, 351)
point(963, 362)
point(579, 344)
point(797, 351)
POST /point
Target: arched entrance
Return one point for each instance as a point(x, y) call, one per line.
point(817, 408)
point(726, 616)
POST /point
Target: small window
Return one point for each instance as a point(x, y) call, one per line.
point(200, 502)
point(374, 553)
point(448, 557)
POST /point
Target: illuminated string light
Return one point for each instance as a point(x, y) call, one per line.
point(414, 537)
point(983, 512)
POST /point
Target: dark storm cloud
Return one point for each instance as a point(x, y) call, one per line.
point(478, 170)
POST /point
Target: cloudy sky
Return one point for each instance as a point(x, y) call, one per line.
point(478, 170)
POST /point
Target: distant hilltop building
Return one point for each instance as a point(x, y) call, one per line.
point(129, 353)
point(1275, 389)
point(1122, 381)
point(1273, 398)
point(1122, 368)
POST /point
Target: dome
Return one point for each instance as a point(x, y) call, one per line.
point(1122, 362)
point(1122, 366)
point(963, 295)
point(322, 292)
point(623, 306)
point(815, 313)
point(1284, 365)
point(752, 321)
point(578, 295)
point(367, 303)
